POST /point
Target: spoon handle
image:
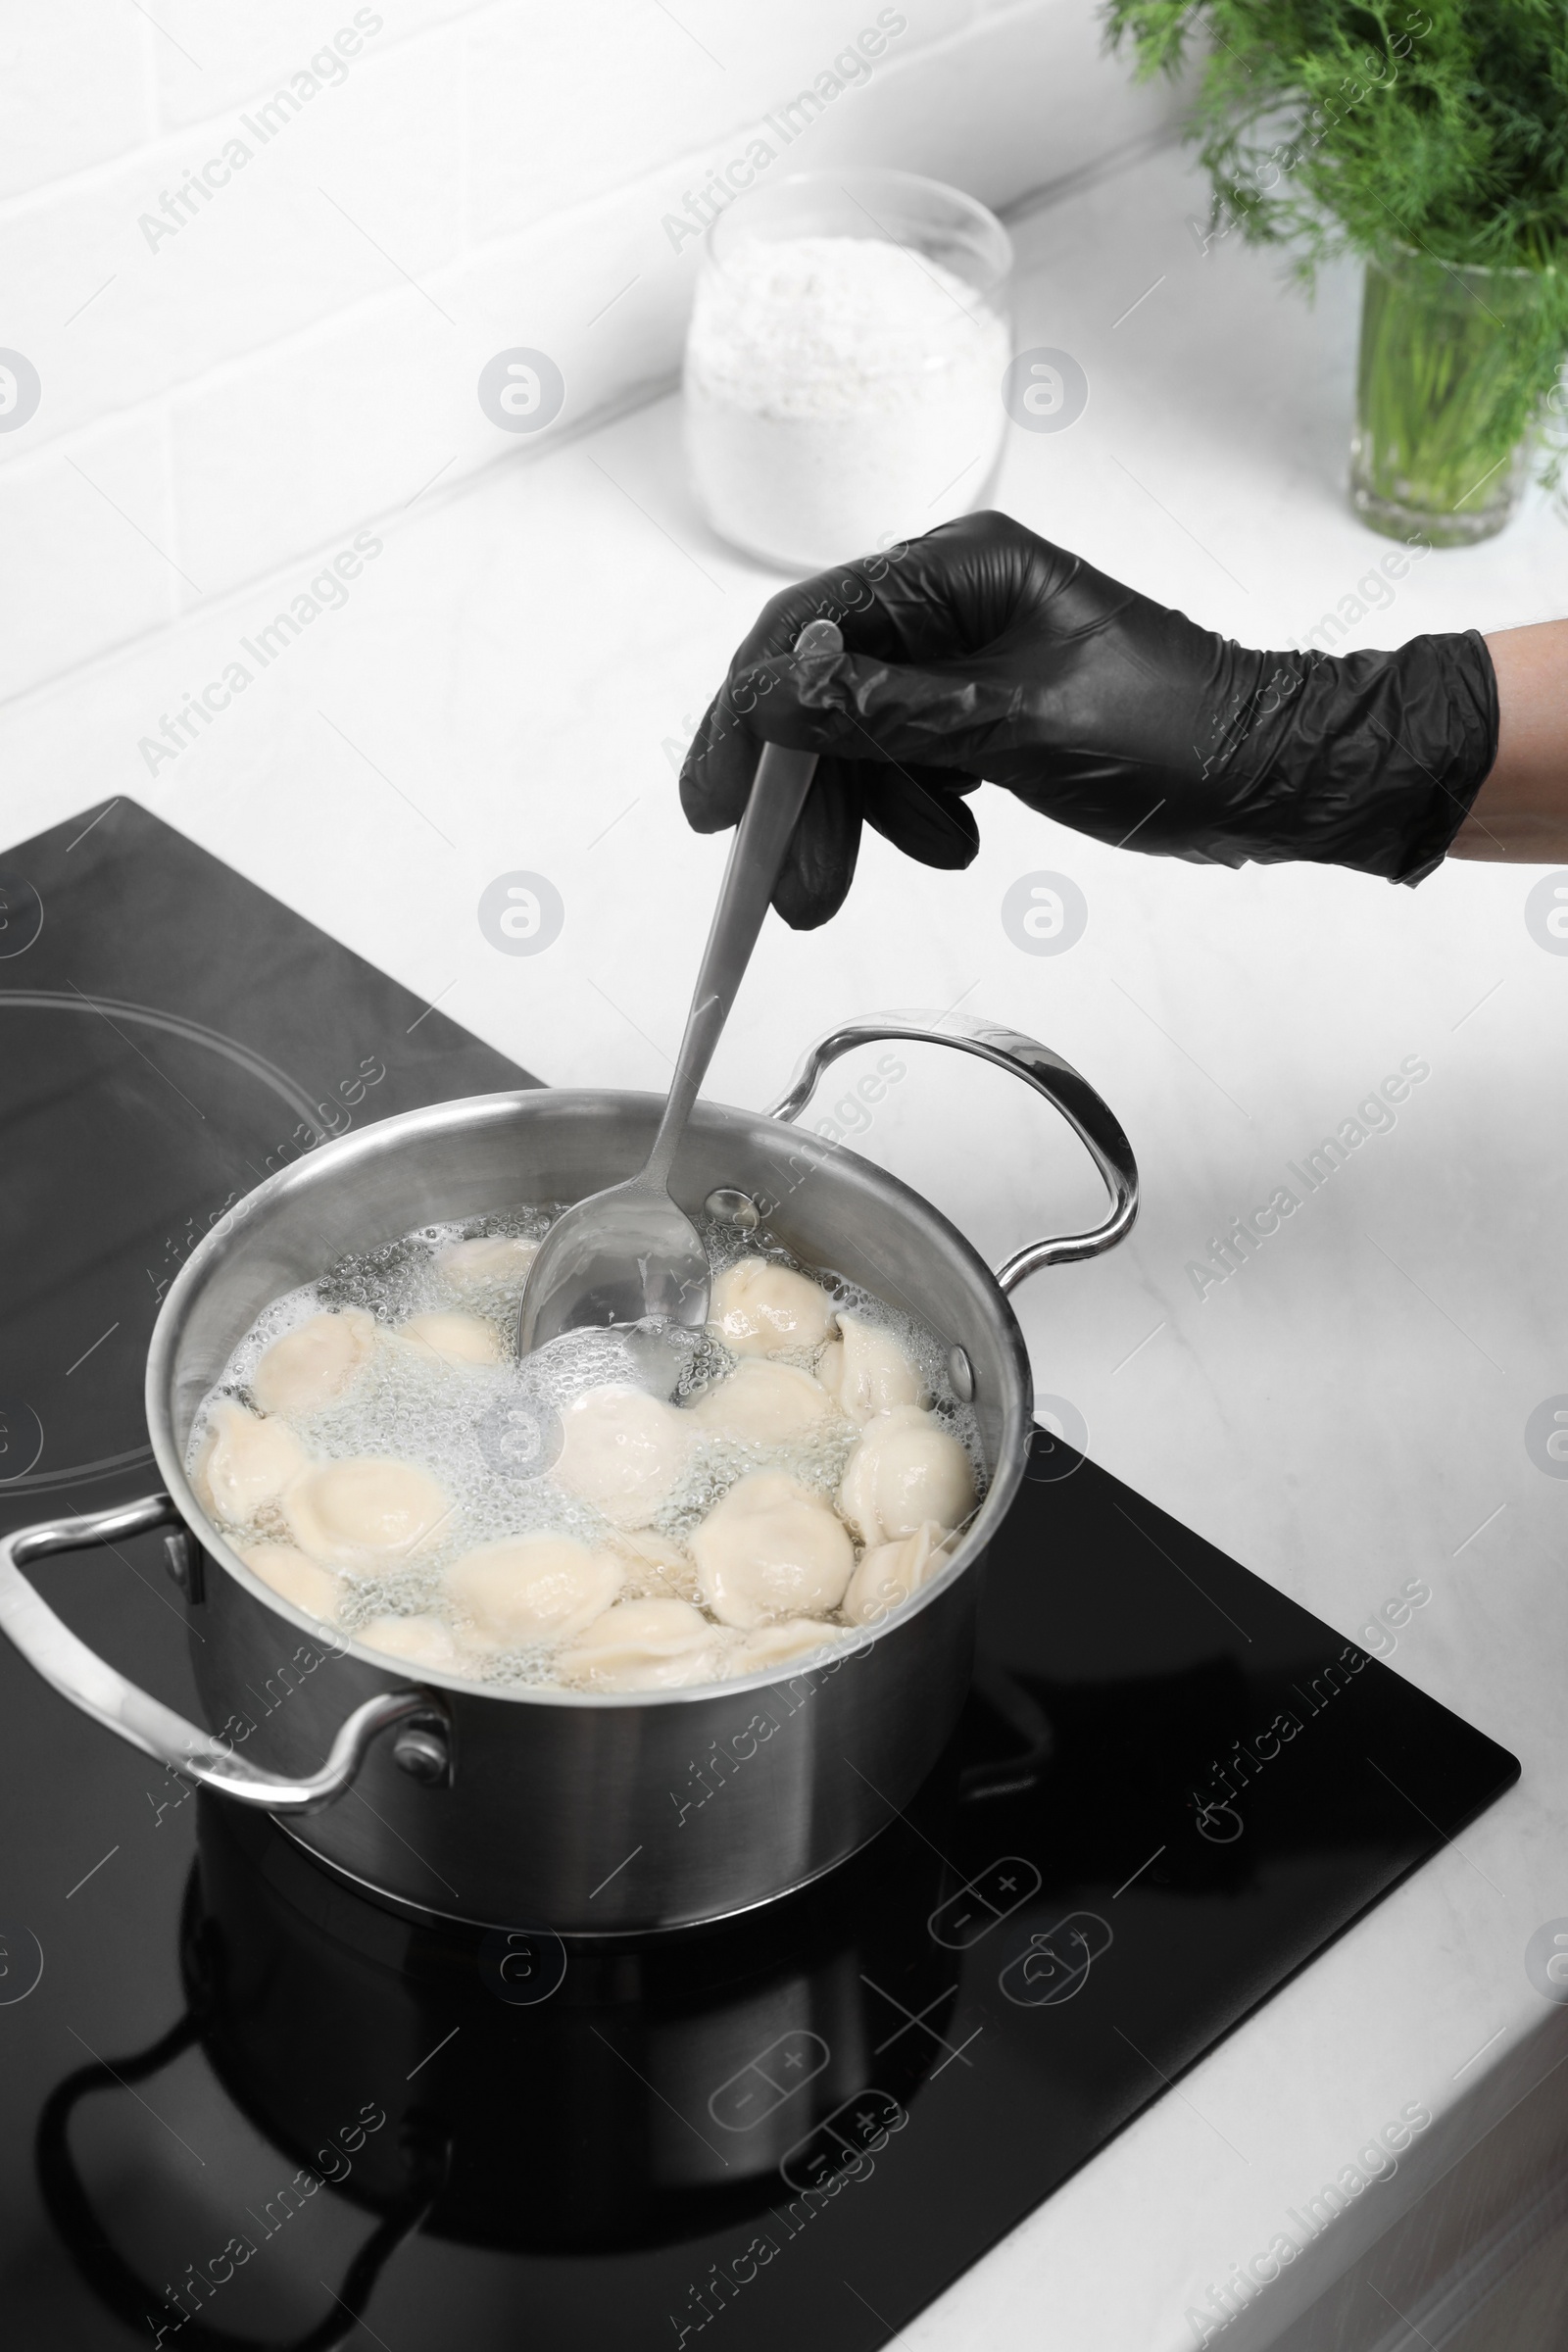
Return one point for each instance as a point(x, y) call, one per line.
point(757, 856)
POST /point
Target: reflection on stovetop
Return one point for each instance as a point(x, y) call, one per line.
point(538, 2100)
point(882, 2072)
point(251, 2107)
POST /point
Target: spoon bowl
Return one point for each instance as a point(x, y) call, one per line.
point(630, 1255)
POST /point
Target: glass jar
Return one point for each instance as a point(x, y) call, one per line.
point(1446, 388)
point(844, 364)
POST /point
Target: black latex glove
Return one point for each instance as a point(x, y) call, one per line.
point(982, 653)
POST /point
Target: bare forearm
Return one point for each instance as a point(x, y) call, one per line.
point(1521, 813)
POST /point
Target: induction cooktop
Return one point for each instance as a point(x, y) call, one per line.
point(247, 2107)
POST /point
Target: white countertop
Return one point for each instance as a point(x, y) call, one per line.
point(509, 686)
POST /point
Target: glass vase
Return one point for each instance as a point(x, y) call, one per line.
point(1445, 392)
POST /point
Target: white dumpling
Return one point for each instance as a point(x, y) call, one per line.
point(889, 1573)
point(771, 1549)
point(760, 1308)
point(245, 1461)
point(457, 1338)
point(489, 1257)
point(423, 1640)
point(314, 1364)
point(779, 1644)
point(364, 1515)
point(622, 1451)
point(294, 1578)
point(655, 1568)
point(906, 1469)
point(867, 1372)
point(646, 1645)
point(762, 1403)
point(534, 1589)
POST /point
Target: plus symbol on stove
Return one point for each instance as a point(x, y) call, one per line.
point(1006, 1885)
point(794, 2059)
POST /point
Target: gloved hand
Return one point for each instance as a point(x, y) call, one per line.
point(982, 653)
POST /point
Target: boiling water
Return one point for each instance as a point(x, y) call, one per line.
point(488, 1433)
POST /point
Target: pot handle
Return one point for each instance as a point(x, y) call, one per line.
point(78, 1674)
point(1090, 1116)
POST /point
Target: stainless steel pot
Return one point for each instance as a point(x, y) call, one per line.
point(587, 1813)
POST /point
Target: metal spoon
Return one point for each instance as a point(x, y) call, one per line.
point(629, 1256)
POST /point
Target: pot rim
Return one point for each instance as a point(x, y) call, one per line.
point(1003, 1485)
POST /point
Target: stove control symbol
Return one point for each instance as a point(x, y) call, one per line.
point(1053, 1967)
point(842, 2141)
point(984, 1903)
point(773, 2076)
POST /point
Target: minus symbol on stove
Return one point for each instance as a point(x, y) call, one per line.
point(86, 1351)
point(1139, 1872)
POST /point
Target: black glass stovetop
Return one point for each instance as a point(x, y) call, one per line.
point(245, 2107)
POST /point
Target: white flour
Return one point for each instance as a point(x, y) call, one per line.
point(841, 392)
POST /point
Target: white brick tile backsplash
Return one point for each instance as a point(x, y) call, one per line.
point(356, 418)
point(282, 455)
point(265, 253)
point(301, 352)
point(768, 52)
point(208, 58)
point(90, 551)
point(74, 88)
point(1027, 98)
point(577, 104)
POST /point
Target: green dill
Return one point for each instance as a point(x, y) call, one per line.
point(1438, 129)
